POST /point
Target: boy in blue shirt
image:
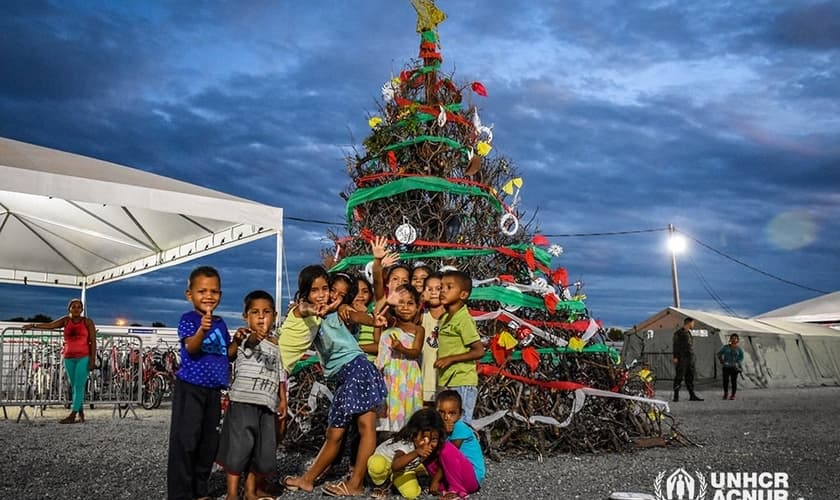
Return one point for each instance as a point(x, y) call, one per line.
point(206, 349)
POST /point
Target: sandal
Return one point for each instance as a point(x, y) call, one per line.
point(290, 487)
point(338, 489)
point(381, 492)
point(70, 419)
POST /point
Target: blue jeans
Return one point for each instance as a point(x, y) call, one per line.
point(77, 374)
point(469, 394)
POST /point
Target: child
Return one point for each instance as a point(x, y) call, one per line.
point(418, 277)
point(79, 353)
point(461, 458)
point(297, 330)
point(257, 402)
point(364, 303)
point(459, 345)
point(206, 349)
point(731, 356)
point(359, 389)
point(398, 459)
point(430, 319)
point(399, 353)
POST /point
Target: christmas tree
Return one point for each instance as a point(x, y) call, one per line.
point(427, 177)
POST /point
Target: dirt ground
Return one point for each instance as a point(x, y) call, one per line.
point(790, 431)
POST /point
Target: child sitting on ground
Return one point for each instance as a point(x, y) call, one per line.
point(257, 402)
point(398, 459)
point(461, 458)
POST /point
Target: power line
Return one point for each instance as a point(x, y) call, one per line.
point(314, 221)
point(752, 268)
point(611, 233)
point(705, 283)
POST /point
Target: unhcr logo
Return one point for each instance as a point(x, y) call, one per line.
point(680, 485)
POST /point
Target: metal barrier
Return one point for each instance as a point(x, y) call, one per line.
point(32, 372)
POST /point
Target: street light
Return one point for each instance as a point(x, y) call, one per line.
point(120, 322)
point(677, 244)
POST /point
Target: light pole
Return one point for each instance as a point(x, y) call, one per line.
point(676, 243)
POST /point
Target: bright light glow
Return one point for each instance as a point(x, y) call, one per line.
point(120, 322)
point(677, 244)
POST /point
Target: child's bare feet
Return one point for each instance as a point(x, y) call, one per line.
point(294, 483)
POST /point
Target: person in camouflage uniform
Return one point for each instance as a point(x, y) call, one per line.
point(684, 360)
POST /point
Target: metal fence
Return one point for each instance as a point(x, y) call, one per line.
point(32, 372)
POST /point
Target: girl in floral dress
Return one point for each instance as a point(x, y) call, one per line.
point(398, 358)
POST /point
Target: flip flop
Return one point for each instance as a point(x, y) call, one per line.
point(338, 489)
point(288, 486)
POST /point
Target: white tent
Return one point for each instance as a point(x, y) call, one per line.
point(72, 221)
point(777, 353)
point(824, 309)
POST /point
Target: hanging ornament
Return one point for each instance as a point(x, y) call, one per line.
point(479, 89)
point(483, 148)
point(555, 250)
point(405, 233)
point(369, 271)
point(485, 133)
point(541, 286)
point(441, 118)
point(539, 240)
point(474, 165)
point(374, 121)
point(392, 160)
point(509, 224)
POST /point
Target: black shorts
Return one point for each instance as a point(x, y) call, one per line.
point(248, 441)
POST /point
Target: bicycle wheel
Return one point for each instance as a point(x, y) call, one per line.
point(152, 393)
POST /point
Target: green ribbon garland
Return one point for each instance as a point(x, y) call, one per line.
point(360, 260)
point(428, 138)
point(437, 184)
point(557, 351)
point(425, 69)
point(512, 297)
point(428, 36)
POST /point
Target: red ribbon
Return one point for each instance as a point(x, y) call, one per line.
point(560, 385)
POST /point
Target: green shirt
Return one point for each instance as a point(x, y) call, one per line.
point(455, 334)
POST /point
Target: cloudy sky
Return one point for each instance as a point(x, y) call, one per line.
point(721, 118)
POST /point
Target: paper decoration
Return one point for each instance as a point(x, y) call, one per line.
point(428, 15)
point(531, 358)
point(506, 340)
point(576, 344)
point(392, 160)
point(479, 89)
point(441, 118)
point(405, 233)
point(539, 240)
point(474, 165)
point(374, 121)
point(483, 148)
point(555, 250)
point(513, 185)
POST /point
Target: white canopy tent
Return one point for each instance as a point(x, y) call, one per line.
point(824, 309)
point(72, 221)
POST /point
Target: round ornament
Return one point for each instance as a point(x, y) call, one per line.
point(405, 233)
point(369, 271)
point(509, 224)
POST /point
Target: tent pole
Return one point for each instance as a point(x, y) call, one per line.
point(278, 270)
point(84, 297)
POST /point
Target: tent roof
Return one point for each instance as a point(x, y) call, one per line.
point(70, 220)
point(825, 308)
point(731, 324)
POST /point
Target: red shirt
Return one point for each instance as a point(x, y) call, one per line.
point(76, 339)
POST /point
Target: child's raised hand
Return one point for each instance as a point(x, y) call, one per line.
point(380, 321)
point(394, 296)
point(390, 259)
point(379, 247)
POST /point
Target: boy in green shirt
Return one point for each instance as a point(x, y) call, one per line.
point(459, 345)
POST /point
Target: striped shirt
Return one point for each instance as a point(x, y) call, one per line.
point(258, 374)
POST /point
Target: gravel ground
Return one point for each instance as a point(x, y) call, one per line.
point(782, 430)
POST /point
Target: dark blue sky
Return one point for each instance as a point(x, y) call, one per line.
point(718, 117)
